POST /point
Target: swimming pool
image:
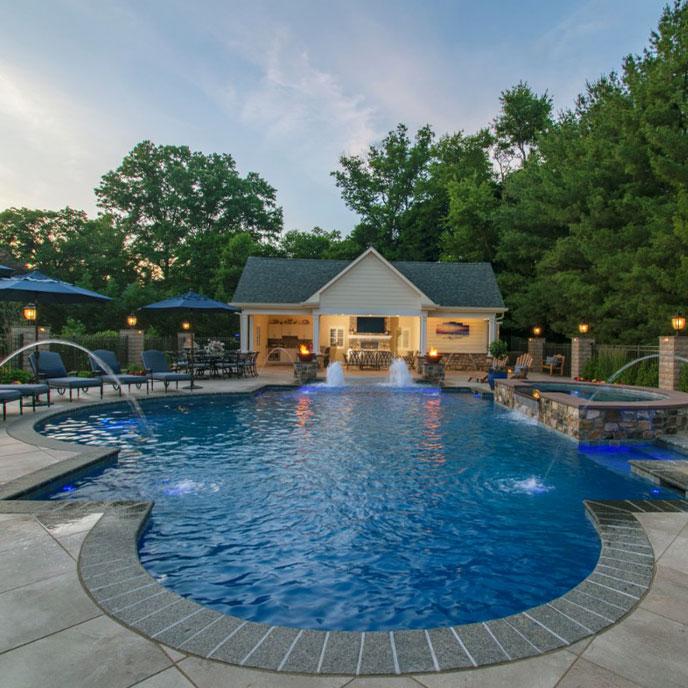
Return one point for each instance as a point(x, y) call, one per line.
point(358, 509)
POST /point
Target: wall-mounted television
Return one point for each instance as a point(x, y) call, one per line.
point(370, 325)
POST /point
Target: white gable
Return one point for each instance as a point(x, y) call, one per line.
point(370, 285)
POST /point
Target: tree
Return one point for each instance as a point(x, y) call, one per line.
point(67, 245)
point(381, 187)
point(472, 233)
point(523, 117)
point(233, 257)
point(318, 243)
point(178, 207)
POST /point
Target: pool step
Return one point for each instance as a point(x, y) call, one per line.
point(666, 473)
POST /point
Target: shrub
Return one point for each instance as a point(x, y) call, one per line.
point(11, 375)
point(683, 378)
point(73, 328)
point(603, 366)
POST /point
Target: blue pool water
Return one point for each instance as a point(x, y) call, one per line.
point(358, 509)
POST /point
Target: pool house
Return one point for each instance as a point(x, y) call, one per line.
point(368, 305)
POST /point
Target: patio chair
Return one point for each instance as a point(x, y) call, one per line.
point(119, 379)
point(232, 363)
point(29, 390)
point(157, 368)
point(555, 364)
point(523, 364)
point(7, 395)
point(410, 359)
point(51, 369)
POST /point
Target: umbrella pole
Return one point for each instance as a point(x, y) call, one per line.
point(192, 359)
point(38, 350)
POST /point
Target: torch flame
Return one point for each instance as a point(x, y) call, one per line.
point(303, 350)
point(433, 352)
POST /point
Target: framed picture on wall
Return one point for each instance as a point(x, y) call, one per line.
point(451, 329)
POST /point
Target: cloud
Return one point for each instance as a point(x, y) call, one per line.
point(52, 151)
point(294, 98)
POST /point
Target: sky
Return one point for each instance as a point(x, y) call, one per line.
point(286, 87)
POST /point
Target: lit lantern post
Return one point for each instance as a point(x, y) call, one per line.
point(678, 322)
point(30, 313)
point(537, 331)
point(132, 320)
point(584, 328)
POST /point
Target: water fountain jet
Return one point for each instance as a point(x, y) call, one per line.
point(335, 375)
point(399, 375)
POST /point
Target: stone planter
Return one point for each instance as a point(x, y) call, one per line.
point(306, 371)
point(433, 372)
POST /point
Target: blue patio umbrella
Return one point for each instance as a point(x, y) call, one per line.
point(37, 288)
point(5, 271)
point(191, 302)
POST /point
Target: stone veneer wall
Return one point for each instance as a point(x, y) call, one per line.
point(461, 361)
point(598, 423)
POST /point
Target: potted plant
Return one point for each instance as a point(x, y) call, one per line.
point(498, 350)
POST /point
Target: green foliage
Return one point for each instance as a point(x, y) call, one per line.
point(318, 243)
point(604, 366)
point(177, 209)
point(683, 379)
point(9, 376)
point(523, 117)
point(499, 348)
point(72, 328)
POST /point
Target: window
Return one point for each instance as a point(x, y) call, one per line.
point(336, 336)
point(406, 338)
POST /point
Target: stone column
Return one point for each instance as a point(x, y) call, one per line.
point(669, 365)
point(134, 346)
point(23, 335)
point(581, 352)
point(316, 333)
point(243, 331)
point(536, 348)
point(184, 340)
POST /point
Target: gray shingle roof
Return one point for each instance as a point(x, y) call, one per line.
point(293, 280)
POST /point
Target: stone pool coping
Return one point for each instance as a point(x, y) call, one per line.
point(111, 572)
point(671, 399)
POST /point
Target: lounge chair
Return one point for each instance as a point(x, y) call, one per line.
point(555, 364)
point(523, 364)
point(119, 379)
point(51, 369)
point(157, 368)
point(10, 395)
point(29, 390)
